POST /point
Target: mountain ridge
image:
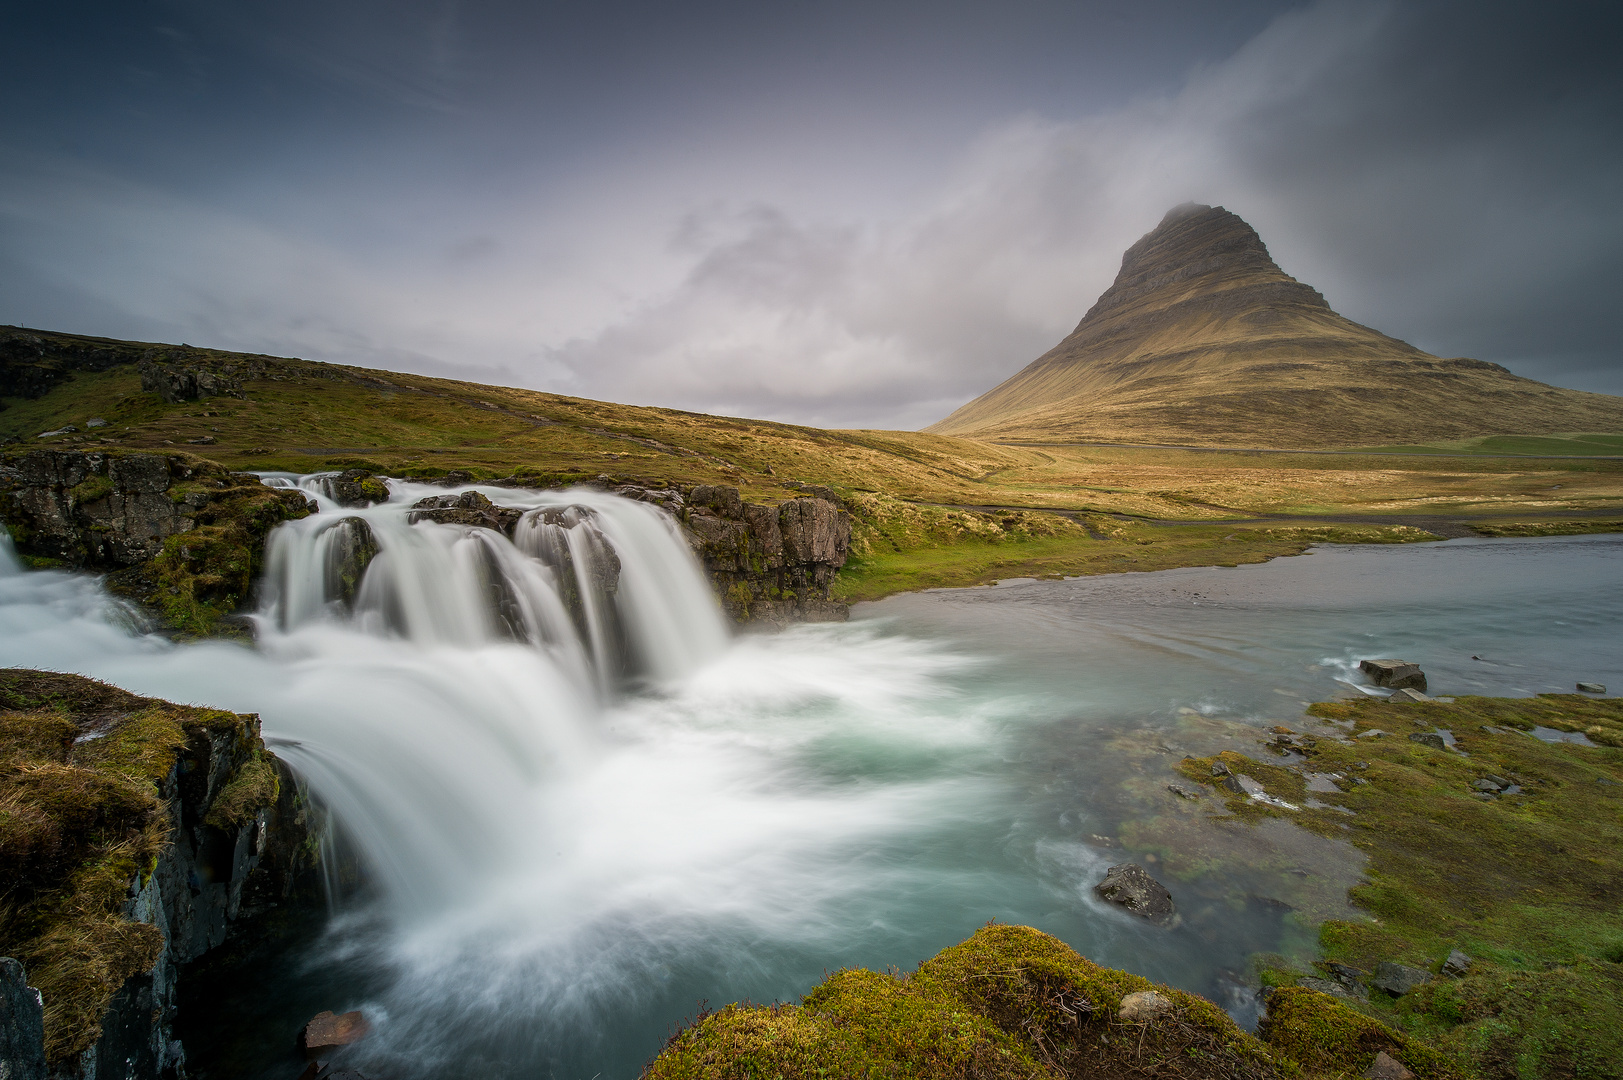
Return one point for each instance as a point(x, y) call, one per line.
point(1203, 340)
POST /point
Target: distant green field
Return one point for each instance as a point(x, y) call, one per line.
point(1577, 445)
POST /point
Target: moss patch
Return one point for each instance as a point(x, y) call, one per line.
point(84, 771)
point(1528, 883)
point(1009, 1002)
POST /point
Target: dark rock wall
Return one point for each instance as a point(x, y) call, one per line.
point(771, 564)
point(207, 879)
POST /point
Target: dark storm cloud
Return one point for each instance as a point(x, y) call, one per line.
point(842, 214)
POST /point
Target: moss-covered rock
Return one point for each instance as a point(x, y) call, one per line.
point(182, 536)
point(1009, 1002)
point(129, 829)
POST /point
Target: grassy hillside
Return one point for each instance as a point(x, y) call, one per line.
point(929, 509)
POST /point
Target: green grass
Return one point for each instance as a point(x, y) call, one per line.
point(1529, 885)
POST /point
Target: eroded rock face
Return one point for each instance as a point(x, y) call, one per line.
point(1130, 886)
point(771, 564)
point(176, 383)
point(236, 846)
point(111, 510)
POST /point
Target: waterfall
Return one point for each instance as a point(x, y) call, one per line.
point(605, 587)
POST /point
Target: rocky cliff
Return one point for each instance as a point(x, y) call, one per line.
point(1203, 340)
point(771, 563)
point(137, 834)
point(183, 536)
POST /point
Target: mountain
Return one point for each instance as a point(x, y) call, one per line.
point(1203, 340)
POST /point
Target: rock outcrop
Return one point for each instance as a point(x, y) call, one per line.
point(771, 563)
point(140, 833)
point(183, 536)
point(1131, 887)
point(33, 362)
point(1203, 340)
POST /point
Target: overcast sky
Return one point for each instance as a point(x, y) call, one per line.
point(847, 214)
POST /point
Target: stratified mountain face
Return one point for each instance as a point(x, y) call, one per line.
point(1203, 341)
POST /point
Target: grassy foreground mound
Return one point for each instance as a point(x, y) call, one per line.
point(88, 781)
point(1009, 1002)
point(1014, 1002)
point(1528, 881)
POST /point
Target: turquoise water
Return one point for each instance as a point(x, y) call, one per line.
point(866, 794)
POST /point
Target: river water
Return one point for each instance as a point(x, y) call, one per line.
point(581, 822)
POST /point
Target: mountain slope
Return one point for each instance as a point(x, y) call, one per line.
point(1203, 340)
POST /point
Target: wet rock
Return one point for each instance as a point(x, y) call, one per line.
point(1407, 695)
point(351, 552)
point(1144, 1005)
point(1591, 688)
point(22, 1025)
point(1387, 1067)
point(1398, 979)
point(326, 1032)
point(1394, 674)
point(356, 487)
point(1250, 786)
point(1219, 769)
point(1131, 887)
point(467, 508)
point(1457, 964)
point(1429, 738)
point(1183, 791)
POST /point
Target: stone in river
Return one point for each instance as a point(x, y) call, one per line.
point(1130, 886)
point(1591, 688)
point(1457, 964)
point(326, 1032)
point(1394, 674)
point(1219, 769)
point(1144, 1005)
point(1387, 1067)
point(1407, 695)
point(1429, 738)
point(1183, 792)
point(1398, 979)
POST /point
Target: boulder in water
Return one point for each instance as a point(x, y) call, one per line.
point(1394, 674)
point(357, 487)
point(1591, 688)
point(467, 508)
point(326, 1032)
point(1131, 887)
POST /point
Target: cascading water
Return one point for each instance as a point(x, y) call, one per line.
point(585, 810)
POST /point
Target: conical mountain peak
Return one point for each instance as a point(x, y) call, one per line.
point(1203, 340)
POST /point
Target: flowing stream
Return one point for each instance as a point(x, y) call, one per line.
point(584, 807)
